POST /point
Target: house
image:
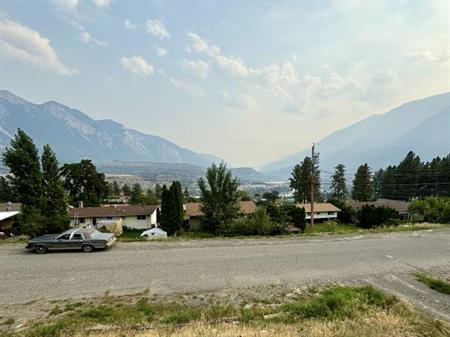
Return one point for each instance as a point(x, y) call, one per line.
point(6, 223)
point(137, 217)
point(402, 207)
point(323, 211)
point(8, 213)
point(194, 213)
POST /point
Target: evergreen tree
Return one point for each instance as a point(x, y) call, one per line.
point(388, 185)
point(84, 183)
point(150, 198)
point(55, 209)
point(126, 190)
point(165, 209)
point(170, 213)
point(186, 193)
point(178, 212)
point(301, 181)
point(158, 191)
point(219, 197)
point(378, 179)
point(137, 195)
point(116, 189)
point(338, 183)
point(6, 192)
point(26, 182)
point(362, 184)
point(408, 176)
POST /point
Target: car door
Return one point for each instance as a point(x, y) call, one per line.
point(76, 240)
point(59, 243)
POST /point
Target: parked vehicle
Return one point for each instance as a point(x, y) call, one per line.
point(83, 239)
point(154, 233)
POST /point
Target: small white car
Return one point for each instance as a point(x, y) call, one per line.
point(154, 233)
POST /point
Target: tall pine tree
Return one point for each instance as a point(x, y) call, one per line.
point(26, 182)
point(55, 207)
point(301, 181)
point(338, 183)
point(362, 184)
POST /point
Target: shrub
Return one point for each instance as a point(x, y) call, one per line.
point(392, 222)
point(433, 209)
point(347, 213)
point(339, 302)
point(370, 216)
point(258, 223)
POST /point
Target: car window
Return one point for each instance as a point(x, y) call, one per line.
point(64, 237)
point(77, 237)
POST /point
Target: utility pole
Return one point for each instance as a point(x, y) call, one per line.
point(312, 184)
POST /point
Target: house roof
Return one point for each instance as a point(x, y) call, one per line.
point(319, 207)
point(401, 206)
point(10, 206)
point(112, 211)
point(7, 215)
point(193, 208)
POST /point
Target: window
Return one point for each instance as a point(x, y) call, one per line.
point(82, 220)
point(330, 213)
point(64, 237)
point(141, 217)
point(77, 236)
point(109, 218)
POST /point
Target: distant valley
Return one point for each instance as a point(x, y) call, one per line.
point(422, 126)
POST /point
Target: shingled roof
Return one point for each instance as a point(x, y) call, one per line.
point(319, 207)
point(193, 208)
point(401, 206)
point(112, 211)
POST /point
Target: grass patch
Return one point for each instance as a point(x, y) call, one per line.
point(436, 284)
point(332, 227)
point(335, 311)
point(339, 303)
point(8, 321)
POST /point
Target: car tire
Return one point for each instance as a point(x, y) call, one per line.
point(40, 249)
point(88, 248)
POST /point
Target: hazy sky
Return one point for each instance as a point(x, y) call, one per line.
point(247, 81)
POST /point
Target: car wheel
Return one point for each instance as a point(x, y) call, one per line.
point(88, 248)
point(40, 249)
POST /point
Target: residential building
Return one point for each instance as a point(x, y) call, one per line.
point(323, 211)
point(136, 217)
point(8, 214)
point(194, 214)
point(402, 207)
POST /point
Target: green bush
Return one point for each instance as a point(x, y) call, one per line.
point(347, 214)
point(370, 216)
point(433, 209)
point(339, 302)
point(392, 222)
point(258, 223)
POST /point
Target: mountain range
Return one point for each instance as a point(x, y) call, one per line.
point(73, 135)
point(422, 126)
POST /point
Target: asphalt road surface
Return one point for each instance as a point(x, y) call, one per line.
point(186, 266)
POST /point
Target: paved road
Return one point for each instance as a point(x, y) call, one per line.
point(213, 264)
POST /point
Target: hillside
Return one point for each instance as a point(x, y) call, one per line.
point(422, 126)
point(74, 135)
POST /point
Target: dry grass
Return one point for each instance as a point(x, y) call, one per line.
point(372, 325)
point(335, 311)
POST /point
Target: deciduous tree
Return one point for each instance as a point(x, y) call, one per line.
point(219, 197)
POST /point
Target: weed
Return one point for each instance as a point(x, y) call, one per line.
point(433, 283)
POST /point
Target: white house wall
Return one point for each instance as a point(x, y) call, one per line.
point(128, 221)
point(321, 215)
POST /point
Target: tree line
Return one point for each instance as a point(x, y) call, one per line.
point(411, 178)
